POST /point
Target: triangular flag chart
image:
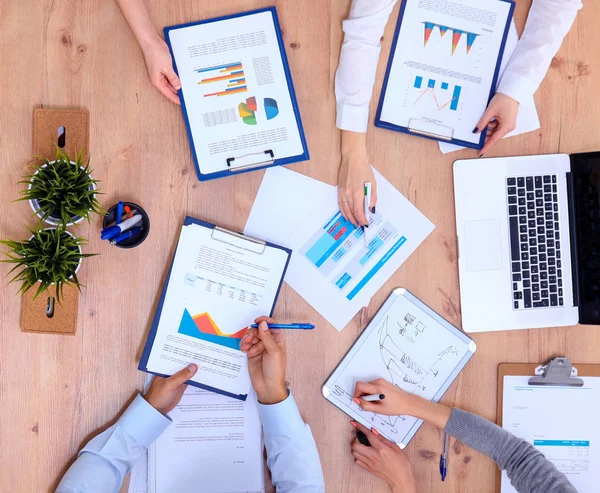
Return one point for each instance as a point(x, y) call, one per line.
point(470, 40)
point(428, 28)
point(456, 34)
point(443, 30)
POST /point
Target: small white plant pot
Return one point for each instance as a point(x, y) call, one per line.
point(80, 252)
point(52, 220)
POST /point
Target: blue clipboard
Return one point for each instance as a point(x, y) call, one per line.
point(272, 160)
point(380, 123)
point(143, 365)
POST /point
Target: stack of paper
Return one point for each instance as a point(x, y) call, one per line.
point(214, 445)
point(332, 266)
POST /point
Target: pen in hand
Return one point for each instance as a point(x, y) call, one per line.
point(444, 458)
point(287, 326)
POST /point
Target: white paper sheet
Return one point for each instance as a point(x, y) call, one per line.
point(138, 481)
point(527, 118)
point(235, 90)
point(444, 65)
point(215, 290)
point(331, 267)
point(405, 346)
point(214, 445)
point(561, 422)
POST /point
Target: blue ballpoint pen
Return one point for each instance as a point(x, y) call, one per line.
point(444, 458)
point(125, 235)
point(287, 326)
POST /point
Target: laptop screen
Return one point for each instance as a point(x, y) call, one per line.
point(585, 182)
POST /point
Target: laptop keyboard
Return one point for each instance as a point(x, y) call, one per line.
point(535, 249)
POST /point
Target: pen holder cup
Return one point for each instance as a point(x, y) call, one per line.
point(136, 239)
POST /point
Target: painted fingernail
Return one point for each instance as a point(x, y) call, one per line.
point(353, 423)
point(475, 130)
point(375, 432)
point(481, 155)
point(366, 226)
point(373, 210)
point(356, 400)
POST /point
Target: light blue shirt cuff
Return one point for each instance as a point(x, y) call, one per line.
point(142, 422)
point(281, 419)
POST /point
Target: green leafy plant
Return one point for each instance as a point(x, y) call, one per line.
point(50, 256)
point(63, 189)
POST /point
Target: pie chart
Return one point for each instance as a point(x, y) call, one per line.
point(249, 109)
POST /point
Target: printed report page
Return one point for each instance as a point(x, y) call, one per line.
point(443, 66)
point(215, 291)
point(560, 422)
point(235, 90)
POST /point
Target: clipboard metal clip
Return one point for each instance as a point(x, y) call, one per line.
point(249, 161)
point(557, 372)
point(238, 240)
point(430, 128)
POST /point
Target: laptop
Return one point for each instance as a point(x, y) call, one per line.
point(528, 233)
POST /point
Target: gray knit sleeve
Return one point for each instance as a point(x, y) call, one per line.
point(527, 468)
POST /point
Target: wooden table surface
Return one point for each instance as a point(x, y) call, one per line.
point(56, 392)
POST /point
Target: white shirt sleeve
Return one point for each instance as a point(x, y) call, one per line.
point(107, 458)
point(547, 24)
point(356, 71)
point(292, 454)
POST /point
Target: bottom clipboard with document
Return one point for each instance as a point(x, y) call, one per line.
point(218, 284)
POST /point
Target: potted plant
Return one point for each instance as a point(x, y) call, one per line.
point(62, 191)
point(51, 256)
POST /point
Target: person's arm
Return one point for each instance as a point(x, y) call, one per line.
point(547, 24)
point(292, 454)
point(354, 82)
point(527, 468)
point(156, 52)
point(107, 458)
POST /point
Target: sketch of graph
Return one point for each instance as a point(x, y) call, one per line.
point(407, 348)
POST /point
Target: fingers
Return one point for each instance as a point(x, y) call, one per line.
point(358, 208)
point(489, 113)
point(366, 388)
point(346, 210)
point(182, 376)
point(373, 204)
point(372, 436)
point(267, 338)
point(500, 132)
point(162, 84)
point(264, 318)
point(250, 338)
point(173, 79)
point(256, 349)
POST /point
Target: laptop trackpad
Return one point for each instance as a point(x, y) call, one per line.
point(483, 245)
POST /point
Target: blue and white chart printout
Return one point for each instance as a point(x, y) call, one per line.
point(333, 267)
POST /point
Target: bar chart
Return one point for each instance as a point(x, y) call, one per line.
point(456, 35)
point(441, 98)
point(223, 80)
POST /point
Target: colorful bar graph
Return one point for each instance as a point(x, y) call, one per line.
point(444, 85)
point(456, 35)
point(226, 79)
point(455, 98)
point(418, 82)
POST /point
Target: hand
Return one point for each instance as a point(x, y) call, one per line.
point(266, 361)
point(396, 402)
point(500, 119)
point(384, 459)
point(354, 171)
point(165, 393)
point(160, 68)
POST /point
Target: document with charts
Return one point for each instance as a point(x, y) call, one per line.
point(409, 345)
point(561, 422)
point(332, 266)
point(219, 283)
point(444, 67)
point(237, 94)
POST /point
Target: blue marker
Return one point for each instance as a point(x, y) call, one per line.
point(444, 458)
point(124, 236)
point(287, 326)
point(119, 212)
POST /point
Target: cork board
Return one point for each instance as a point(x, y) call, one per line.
point(73, 137)
point(528, 369)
